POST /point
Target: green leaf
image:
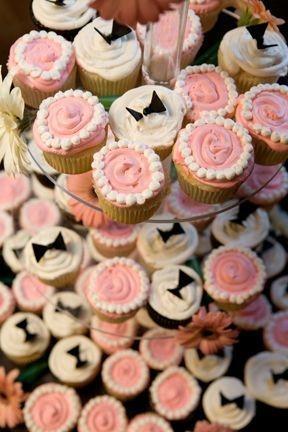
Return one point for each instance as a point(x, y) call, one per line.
point(194, 263)
point(247, 18)
point(210, 56)
point(33, 372)
point(107, 101)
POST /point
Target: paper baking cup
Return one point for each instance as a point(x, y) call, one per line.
point(61, 281)
point(264, 155)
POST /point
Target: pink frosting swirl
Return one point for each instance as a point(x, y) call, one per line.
point(51, 411)
point(261, 174)
point(280, 329)
point(174, 392)
point(257, 309)
point(126, 371)
point(271, 109)
point(163, 349)
point(103, 418)
point(166, 31)
point(32, 288)
point(127, 170)
point(14, 190)
point(113, 230)
point(42, 53)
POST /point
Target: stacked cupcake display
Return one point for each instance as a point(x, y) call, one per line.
point(147, 235)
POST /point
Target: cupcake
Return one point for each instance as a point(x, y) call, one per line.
point(108, 56)
point(113, 337)
point(279, 292)
point(7, 303)
point(266, 380)
point(208, 11)
point(208, 367)
point(149, 114)
point(279, 217)
point(30, 293)
point(227, 401)
point(54, 255)
point(6, 226)
point(275, 333)
point(262, 111)
point(254, 316)
point(276, 186)
point(175, 296)
point(24, 338)
point(52, 407)
point(42, 64)
point(69, 128)
point(13, 250)
point(14, 191)
point(161, 245)
point(65, 18)
point(117, 288)
point(160, 349)
point(207, 89)
point(251, 61)
point(103, 411)
point(205, 244)
point(37, 214)
point(175, 394)
point(244, 225)
point(81, 282)
point(129, 181)
point(234, 276)
point(212, 158)
point(274, 256)
point(125, 374)
point(66, 314)
point(87, 259)
point(144, 320)
point(75, 361)
point(148, 422)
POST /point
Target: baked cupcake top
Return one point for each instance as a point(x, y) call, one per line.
point(30, 293)
point(37, 214)
point(70, 121)
point(74, 359)
point(6, 226)
point(71, 14)
point(13, 250)
point(149, 422)
point(113, 234)
point(207, 89)
point(254, 315)
point(7, 302)
point(168, 243)
point(127, 173)
point(176, 292)
point(118, 285)
point(103, 410)
point(14, 191)
point(131, 119)
point(228, 402)
point(204, 6)
point(240, 51)
point(175, 393)
point(233, 274)
point(42, 60)
point(54, 252)
point(160, 349)
point(276, 333)
point(52, 407)
point(279, 292)
point(266, 378)
point(112, 59)
point(24, 334)
point(214, 150)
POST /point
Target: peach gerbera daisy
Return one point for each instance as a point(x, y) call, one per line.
point(258, 9)
point(11, 398)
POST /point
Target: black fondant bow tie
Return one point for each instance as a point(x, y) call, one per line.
point(280, 376)
point(155, 106)
point(76, 353)
point(184, 280)
point(239, 401)
point(118, 31)
point(257, 32)
point(74, 311)
point(245, 209)
point(40, 250)
point(57, 2)
point(266, 245)
point(175, 230)
point(23, 325)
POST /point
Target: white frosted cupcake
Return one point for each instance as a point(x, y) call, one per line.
point(274, 256)
point(37, 214)
point(144, 320)
point(13, 250)
point(279, 292)
point(24, 338)
point(6, 226)
point(148, 422)
point(208, 367)
point(279, 217)
point(7, 302)
point(75, 361)
point(108, 64)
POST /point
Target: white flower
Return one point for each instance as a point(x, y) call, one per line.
point(13, 150)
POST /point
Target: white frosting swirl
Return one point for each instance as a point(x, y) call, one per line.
point(112, 62)
point(279, 294)
point(14, 243)
point(239, 51)
point(274, 258)
point(209, 367)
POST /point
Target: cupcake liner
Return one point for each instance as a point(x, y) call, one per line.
point(114, 319)
point(102, 87)
point(111, 252)
point(61, 281)
point(264, 155)
point(165, 322)
point(234, 307)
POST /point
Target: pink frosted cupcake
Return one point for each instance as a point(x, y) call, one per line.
point(30, 293)
point(6, 226)
point(103, 413)
point(125, 374)
point(37, 214)
point(263, 111)
point(253, 316)
point(7, 303)
point(113, 337)
point(117, 288)
point(212, 158)
point(207, 89)
point(82, 280)
point(273, 192)
point(233, 276)
point(149, 422)
point(52, 407)
point(42, 63)
point(14, 191)
point(208, 11)
point(69, 128)
point(275, 333)
point(175, 394)
point(160, 349)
